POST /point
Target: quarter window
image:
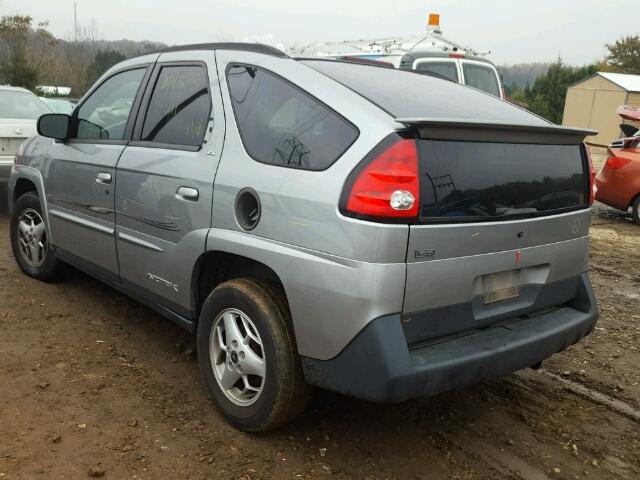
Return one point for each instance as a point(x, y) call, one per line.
point(104, 115)
point(282, 125)
point(179, 108)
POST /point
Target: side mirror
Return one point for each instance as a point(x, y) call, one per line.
point(54, 125)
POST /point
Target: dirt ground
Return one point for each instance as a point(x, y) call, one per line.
point(90, 379)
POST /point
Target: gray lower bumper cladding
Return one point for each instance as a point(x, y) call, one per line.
point(379, 366)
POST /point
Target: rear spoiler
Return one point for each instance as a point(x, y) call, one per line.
point(491, 131)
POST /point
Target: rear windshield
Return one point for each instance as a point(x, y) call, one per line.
point(21, 105)
point(447, 69)
point(481, 77)
point(472, 181)
point(403, 94)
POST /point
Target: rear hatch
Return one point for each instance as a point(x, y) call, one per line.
point(19, 112)
point(496, 198)
point(503, 225)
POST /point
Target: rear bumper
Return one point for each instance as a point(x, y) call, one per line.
point(612, 191)
point(379, 366)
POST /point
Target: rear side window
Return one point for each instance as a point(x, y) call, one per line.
point(445, 69)
point(463, 181)
point(179, 107)
point(282, 125)
point(481, 77)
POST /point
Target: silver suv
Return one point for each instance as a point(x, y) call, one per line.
point(377, 232)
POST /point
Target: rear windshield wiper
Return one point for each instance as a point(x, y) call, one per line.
point(518, 212)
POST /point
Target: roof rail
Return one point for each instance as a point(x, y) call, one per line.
point(245, 47)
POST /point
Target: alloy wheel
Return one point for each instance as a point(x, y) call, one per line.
point(32, 237)
point(237, 357)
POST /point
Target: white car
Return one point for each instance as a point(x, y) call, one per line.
point(19, 112)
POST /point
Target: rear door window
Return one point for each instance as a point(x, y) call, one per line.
point(179, 107)
point(282, 125)
point(465, 181)
point(481, 77)
point(448, 69)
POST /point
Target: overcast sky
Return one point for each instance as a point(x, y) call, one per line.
point(514, 30)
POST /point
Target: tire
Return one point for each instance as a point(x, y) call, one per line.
point(267, 402)
point(46, 266)
point(635, 210)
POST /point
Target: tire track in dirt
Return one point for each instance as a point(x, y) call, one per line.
point(596, 396)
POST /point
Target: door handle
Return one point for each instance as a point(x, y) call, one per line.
point(104, 178)
point(187, 193)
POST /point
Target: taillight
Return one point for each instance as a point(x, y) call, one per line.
point(387, 184)
point(592, 177)
point(614, 163)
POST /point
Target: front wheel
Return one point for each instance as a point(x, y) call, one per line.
point(248, 356)
point(30, 239)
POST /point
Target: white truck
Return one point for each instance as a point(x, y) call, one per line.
point(430, 53)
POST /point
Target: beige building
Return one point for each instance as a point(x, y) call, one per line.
point(592, 103)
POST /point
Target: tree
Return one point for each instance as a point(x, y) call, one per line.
point(78, 51)
point(624, 55)
point(103, 60)
point(15, 69)
point(546, 97)
point(42, 49)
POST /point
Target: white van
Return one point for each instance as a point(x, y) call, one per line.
point(476, 72)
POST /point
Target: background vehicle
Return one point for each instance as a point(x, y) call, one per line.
point(59, 105)
point(618, 183)
point(430, 53)
point(312, 225)
point(474, 71)
point(629, 130)
point(19, 110)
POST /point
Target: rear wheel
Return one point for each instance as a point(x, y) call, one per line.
point(30, 239)
point(248, 357)
point(635, 209)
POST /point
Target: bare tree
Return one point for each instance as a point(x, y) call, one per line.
point(42, 51)
point(79, 50)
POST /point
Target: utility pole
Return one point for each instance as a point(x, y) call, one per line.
point(75, 21)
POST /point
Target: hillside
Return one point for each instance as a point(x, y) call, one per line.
point(522, 74)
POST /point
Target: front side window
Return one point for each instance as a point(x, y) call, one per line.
point(104, 115)
point(481, 77)
point(447, 69)
point(179, 108)
point(282, 125)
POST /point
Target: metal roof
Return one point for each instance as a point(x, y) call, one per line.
point(631, 83)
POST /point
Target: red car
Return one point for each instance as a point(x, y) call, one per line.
point(618, 183)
